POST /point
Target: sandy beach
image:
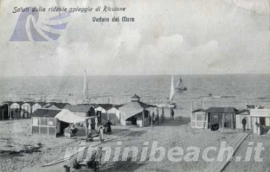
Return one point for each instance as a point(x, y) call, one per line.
point(15, 136)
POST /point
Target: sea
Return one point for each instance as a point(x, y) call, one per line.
point(203, 91)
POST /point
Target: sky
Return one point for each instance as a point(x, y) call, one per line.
point(167, 37)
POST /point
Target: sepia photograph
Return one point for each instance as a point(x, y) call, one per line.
point(135, 86)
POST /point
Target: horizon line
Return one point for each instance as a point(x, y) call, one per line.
point(125, 75)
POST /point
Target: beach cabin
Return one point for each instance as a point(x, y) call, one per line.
point(224, 116)
point(114, 114)
point(15, 110)
point(44, 122)
point(102, 112)
point(7, 105)
point(37, 105)
point(54, 121)
point(4, 109)
point(199, 119)
point(83, 110)
point(135, 113)
point(26, 109)
point(107, 112)
point(260, 121)
point(245, 113)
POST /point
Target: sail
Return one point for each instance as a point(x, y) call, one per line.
point(85, 87)
point(172, 90)
point(180, 85)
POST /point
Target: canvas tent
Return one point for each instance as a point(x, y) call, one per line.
point(135, 113)
point(69, 117)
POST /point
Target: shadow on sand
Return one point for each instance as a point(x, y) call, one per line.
point(119, 166)
point(178, 121)
point(137, 133)
point(118, 132)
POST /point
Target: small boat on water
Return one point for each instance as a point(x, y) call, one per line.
point(180, 85)
point(174, 89)
point(178, 88)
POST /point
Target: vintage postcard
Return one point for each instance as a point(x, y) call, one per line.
point(134, 85)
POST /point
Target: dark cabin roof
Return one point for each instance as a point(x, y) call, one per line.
point(45, 113)
point(106, 106)
point(40, 103)
point(94, 105)
point(18, 102)
point(199, 110)
point(30, 103)
point(7, 102)
point(135, 98)
point(222, 110)
point(243, 112)
point(58, 105)
point(79, 108)
point(117, 106)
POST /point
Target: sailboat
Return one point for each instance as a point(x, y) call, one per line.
point(180, 85)
point(85, 88)
point(172, 93)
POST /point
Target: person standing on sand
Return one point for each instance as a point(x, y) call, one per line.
point(172, 114)
point(108, 125)
point(244, 122)
point(101, 133)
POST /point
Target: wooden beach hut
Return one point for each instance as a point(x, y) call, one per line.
point(114, 114)
point(4, 109)
point(241, 114)
point(53, 121)
point(26, 109)
point(199, 119)
point(44, 122)
point(224, 116)
point(37, 105)
point(15, 110)
point(102, 112)
point(107, 112)
point(260, 120)
point(83, 110)
point(135, 113)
